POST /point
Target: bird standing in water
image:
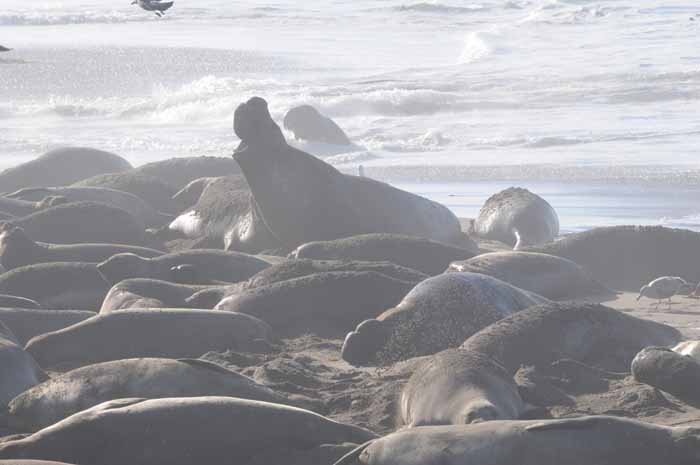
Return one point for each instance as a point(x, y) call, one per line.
point(156, 6)
point(664, 287)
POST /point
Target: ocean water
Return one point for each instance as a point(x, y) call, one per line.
point(593, 104)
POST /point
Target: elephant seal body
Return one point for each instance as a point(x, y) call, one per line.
point(641, 254)
point(439, 313)
point(149, 333)
point(18, 208)
point(303, 199)
point(456, 387)
point(228, 430)
point(19, 370)
point(60, 167)
point(553, 277)
point(208, 265)
point(589, 333)
point(151, 189)
point(517, 217)
point(151, 378)
point(424, 255)
point(27, 323)
point(17, 249)
point(323, 303)
point(56, 285)
point(177, 172)
point(149, 293)
point(669, 371)
point(600, 440)
point(306, 123)
point(689, 348)
point(13, 301)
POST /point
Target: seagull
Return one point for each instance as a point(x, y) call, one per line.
point(157, 6)
point(4, 49)
point(664, 287)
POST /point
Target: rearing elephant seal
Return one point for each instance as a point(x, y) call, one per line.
point(303, 199)
point(517, 217)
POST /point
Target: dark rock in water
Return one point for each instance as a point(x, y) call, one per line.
point(439, 313)
point(641, 254)
point(4, 49)
point(177, 172)
point(550, 276)
point(424, 255)
point(56, 285)
point(13, 301)
point(308, 124)
point(26, 323)
point(669, 371)
point(61, 167)
point(82, 222)
point(589, 333)
point(17, 249)
point(151, 189)
point(151, 293)
point(302, 199)
point(322, 303)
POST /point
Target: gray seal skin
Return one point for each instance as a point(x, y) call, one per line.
point(60, 167)
point(151, 293)
point(57, 285)
point(18, 208)
point(590, 440)
point(202, 188)
point(626, 257)
point(303, 199)
point(326, 304)
point(30, 462)
point(17, 249)
point(13, 301)
point(172, 333)
point(82, 222)
point(307, 123)
point(130, 203)
point(589, 333)
point(439, 313)
point(27, 323)
point(669, 371)
point(424, 255)
point(151, 378)
point(182, 431)
point(209, 265)
point(456, 387)
point(19, 370)
point(553, 277)
point(177, 172)
point(517, 217)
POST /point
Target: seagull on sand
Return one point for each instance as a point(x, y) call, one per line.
point(664, 287)
point(156, 6)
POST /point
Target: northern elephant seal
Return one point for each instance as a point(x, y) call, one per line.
point(669, 371)
point(307, 123)
point(150, 293)
point(326, 304)
point(553, 277)
point(57, 285)
point(689, 348)
point(589, 333)
point(19, 370)
point(424, 255)
point(60, 167)
point(439, 313)
point(208, 265)
point(600, 440)
point(517, 217)
point(303, 199)
point(18, 249)
point(14, 301)
point(18, 208)
point(177, 172)
point(151, 378)
point(458, 387)
point(219, 186)
point(162, 431)
point(27, 323)
point(150, 333)
point(642, 253)
point(151, 189)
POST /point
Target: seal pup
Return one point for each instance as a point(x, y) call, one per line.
point(424, 255)
point(171, 333)
point(553, 277)
point(150, 293)
point(689, 348)
point(57, 285)
point(307, 123)
point(151, 378)
point(19, 370)
point(228, 430)
point(17, 249)
point(582, 441)
point(60, 167)
point(593, 334)
point(326, 304)
point(664, 287)
point(670, 371)
point(439, 313)
point(456, 387)
point(151, 189)
point(177, 172)
point(517, 217)
point(156, 6)
point(303, 199)
point(26, 323)
point(209, 265)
